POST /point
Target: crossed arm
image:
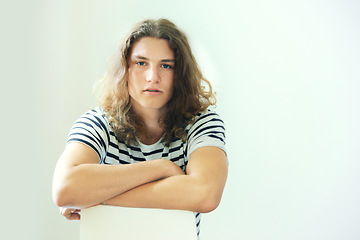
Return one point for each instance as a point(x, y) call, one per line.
point(80, 182)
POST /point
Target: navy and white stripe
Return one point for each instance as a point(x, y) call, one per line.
point(93, 129)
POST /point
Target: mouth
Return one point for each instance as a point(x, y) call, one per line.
point(152, 90)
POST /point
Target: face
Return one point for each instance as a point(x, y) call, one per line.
point(151, 73)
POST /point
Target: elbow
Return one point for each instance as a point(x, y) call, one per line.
point(59, 201)
point(60, 197)
point(64, 191)
point(208, 205)
point(207, 197)
point(208, 201)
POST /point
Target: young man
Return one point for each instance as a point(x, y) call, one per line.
point(153, 143)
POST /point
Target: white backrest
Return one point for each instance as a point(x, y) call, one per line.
point(119, 223)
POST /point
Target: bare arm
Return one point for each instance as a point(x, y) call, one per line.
point(199, 191)
point(79, 181)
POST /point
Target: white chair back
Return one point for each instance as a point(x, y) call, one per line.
point(119, 223)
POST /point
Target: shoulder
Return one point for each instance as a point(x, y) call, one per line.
point(92, 120)
point(95, 116)
point(208, 117)
point(205, 122)
point(96, 113)
point(92, 129)
point(208, 129)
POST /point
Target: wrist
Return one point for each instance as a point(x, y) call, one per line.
point(170, 169)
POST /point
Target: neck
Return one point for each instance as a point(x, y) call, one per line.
point(152, 130)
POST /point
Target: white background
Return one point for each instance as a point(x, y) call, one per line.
point(287, 77)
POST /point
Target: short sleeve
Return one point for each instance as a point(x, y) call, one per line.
point(92, 129)
point(208, 130)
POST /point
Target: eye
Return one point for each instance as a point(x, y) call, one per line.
point(167, 66)
point(141, 63)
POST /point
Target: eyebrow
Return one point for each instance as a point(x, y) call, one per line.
point(145, 58)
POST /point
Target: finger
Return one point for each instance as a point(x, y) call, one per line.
point(70, 214)
point(64, 211)
point(74, 216)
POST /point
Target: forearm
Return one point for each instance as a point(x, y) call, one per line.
point(89, 184)
point(199, 191)
point(182, 192)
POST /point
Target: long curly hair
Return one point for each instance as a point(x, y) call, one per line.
point(192, 91)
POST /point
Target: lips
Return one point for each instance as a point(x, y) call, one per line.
point(154, 90)
point(150, 90)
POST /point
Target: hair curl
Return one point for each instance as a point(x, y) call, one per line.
point(192, 91)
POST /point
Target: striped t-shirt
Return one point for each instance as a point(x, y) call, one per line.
point(93, 129)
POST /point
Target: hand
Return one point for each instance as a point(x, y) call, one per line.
point(70, 214)
point(176, 170)
point(173, 169)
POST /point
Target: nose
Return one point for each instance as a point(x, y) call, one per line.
point(152, 74)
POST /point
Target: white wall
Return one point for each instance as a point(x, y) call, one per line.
point(287, 76)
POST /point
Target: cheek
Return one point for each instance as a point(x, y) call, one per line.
point(133, 79)
point(135, 74)
point(131, 86)
point(132, 76)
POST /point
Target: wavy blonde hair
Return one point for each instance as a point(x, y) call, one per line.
point(192, 91)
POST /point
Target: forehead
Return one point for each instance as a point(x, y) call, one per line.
point(152, 48)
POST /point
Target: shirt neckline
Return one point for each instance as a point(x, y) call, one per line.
point(151, 146)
